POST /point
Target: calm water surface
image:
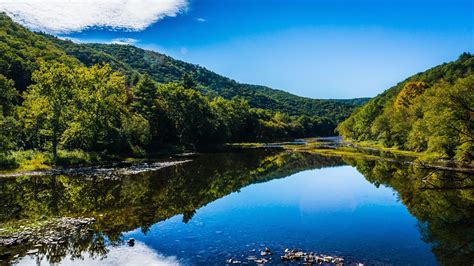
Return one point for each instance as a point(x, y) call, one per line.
point(222, 206)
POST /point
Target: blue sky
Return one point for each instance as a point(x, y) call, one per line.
point(319, 48)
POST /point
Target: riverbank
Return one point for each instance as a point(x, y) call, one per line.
point(34, 162)
point(336, 146)
point(36, 237)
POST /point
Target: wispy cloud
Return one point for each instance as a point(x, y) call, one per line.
point(74, 40)
point(201, 19)
point(74, 15)
point(124, 41)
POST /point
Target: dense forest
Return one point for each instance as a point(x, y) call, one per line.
point(431, 111)
point(164, 69)
point(60, 96)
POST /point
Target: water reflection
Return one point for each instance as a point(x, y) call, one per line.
point(442, 201)
point(351, 214)
point(332, 211)
point(122, 255)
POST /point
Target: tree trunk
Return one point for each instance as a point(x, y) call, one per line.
point(55, 149)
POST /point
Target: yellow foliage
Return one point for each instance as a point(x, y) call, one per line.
point(410, 91)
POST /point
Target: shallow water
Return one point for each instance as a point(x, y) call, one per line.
point(233, 205)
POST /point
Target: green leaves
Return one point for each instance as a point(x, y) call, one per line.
point(79, 108)
point(431, 111)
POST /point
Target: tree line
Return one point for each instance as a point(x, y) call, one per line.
point(95, 109)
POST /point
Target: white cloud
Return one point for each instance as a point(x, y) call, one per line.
point(201, 19)
point(74, 40)
point(64, 16)
point(124, 41)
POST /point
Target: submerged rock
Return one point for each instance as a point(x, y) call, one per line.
point(33, 251)
point(33, 239)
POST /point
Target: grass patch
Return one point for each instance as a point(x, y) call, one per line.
point(33, 160)
point(77, 157)
point(245, 145)
point(340, 152)
point(9, 228)
point(394, 150)
point(29, 160)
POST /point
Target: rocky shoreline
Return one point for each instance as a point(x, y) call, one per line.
point(112, 172)
point(30, 240)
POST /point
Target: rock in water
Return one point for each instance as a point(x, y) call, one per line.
point(33, 251)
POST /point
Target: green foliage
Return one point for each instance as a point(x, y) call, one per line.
point(8, 124)
point(188, 112)
point(121, 99)
point(164, 69)
point(144, 103)
point(48, 105)
point(78, 108)
point(448, 119)
point(431, 111)
point(100, 107)
point(21, 51)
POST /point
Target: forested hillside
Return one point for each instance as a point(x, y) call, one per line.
point(431, 111)
point(164, 69)
point(65, 98)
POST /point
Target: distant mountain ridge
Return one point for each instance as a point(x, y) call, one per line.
point(163, 69)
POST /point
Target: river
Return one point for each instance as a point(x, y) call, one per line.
point(248, 207)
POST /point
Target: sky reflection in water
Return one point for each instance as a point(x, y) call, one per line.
point(331, 210)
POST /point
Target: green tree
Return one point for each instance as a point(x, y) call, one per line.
point(189, 113)
point(144, 102)
point(144, 94)
point(101, 111)
point(188, 82)
point(8, 99)
point(48, 104)
point(449, 118)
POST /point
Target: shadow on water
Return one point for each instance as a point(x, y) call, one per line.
point(441, 201)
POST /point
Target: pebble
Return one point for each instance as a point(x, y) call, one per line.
point(33, 251)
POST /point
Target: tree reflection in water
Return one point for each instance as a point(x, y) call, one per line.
point(441, 201)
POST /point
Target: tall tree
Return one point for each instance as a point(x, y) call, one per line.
point(48, 104)
point(8, 98)
point(189, 113)
point(144, 103)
